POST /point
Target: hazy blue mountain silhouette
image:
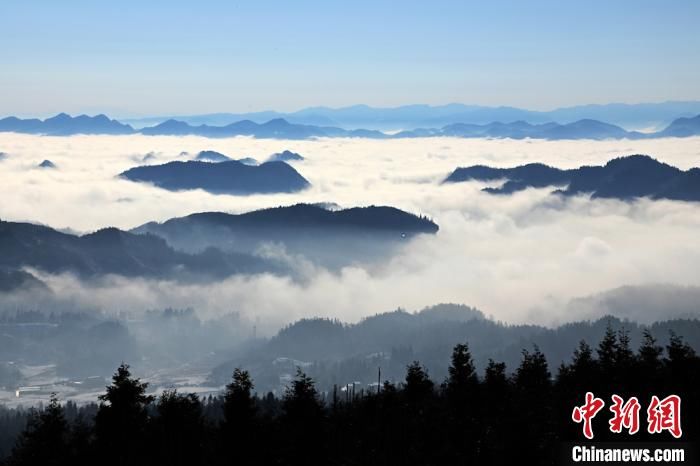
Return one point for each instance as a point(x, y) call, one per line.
point(622, 178)
point(285, 156)
point(282, 129)
point(518, 129)
point(582, 129)
point(683, 127)
point(46, 164)
point(113, 251)
point(169, 127)
point(644, 115)
point(277, 128)
point(229, 177)
point(589, 129)
point(331, 237)
point(520, 126)
point(65, 125)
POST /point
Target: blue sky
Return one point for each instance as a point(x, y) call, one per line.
point(133, 58)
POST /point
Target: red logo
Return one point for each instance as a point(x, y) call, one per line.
point(662, 415)
point(587, 412)
point(625, 415)
point(665, 415)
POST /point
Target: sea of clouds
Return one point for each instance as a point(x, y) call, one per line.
point(527, 257)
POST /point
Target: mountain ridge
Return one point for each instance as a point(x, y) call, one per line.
point(627, 177)
point(296, 215)
point(146, 251)
point(631, 116)
point(225, 177)
point(280, 128)
point(332, 238)
point(112, 251)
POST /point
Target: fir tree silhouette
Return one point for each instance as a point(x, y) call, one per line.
point(45, 440)
point(239, 430)
point(178, 429)
point(303, 419)
point(121, 420)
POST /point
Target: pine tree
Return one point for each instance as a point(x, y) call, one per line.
point(178, 429)
point(623, 352)
point(678, 350)
point(418, 385)
point(121, 419)
point(462, 377)
point(496, 409)
point(303, 420)
point(533, 373)
point(239, 429)
point(532, 382)
point(45, 441)
point(607, 351)
point(301, 398)
point(461, 390)
point(649, 352)
point(582, 362)
point(239, 403)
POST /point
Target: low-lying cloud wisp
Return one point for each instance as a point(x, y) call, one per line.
point(520, 258)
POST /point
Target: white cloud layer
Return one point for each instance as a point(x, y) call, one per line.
point(520, 258)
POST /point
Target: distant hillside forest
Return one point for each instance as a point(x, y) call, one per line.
point(519, 416)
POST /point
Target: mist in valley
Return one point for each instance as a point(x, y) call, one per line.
point(530, 258)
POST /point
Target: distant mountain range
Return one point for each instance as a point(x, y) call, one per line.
point(582, 129)
point(188, 247)
point(330, 237)
point(226, 177)
point(112, 251)
point(65, 125)
point(337, 353)
point(683, 127)
point(621, 178)
point(279, 128)
point(631, 116)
